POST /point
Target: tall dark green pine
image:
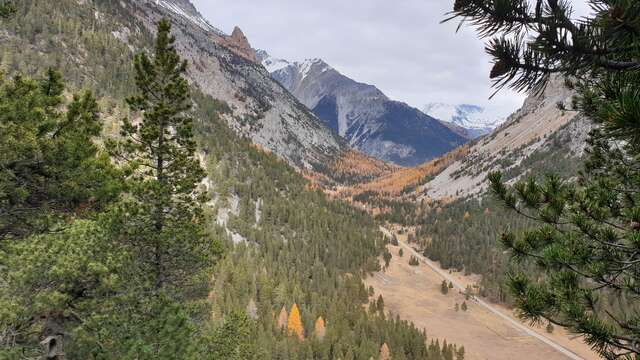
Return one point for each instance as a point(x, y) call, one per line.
point(588, 240)
point(165, 227)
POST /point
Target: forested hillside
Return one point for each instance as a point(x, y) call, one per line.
point(115, 260)
point(296, 247)
point(92, 42)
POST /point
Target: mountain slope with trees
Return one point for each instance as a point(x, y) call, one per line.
point(125, 251)
point(258, 107)
point(574, 254)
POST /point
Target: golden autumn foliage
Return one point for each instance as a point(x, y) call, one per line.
point(394, 182)
point(356, 164)
point(294, 325)
point(385, 353)
point(282, 319)
point(320, 329)
point(352, 165)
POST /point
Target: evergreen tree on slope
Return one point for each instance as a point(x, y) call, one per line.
point(588, 242)
point(166, 227)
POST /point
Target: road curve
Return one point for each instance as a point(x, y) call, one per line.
point(517, 325)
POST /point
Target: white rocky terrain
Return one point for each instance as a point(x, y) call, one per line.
point(539, 135)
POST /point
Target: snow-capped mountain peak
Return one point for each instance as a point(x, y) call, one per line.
point(273, 64)
point(472, 117)
point(306, 66)
point(361, 114)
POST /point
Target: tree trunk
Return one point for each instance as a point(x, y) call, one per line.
point(159, 216)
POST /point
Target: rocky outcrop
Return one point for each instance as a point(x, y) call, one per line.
point(237, 43)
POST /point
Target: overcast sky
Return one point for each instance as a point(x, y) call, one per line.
point(399, 46)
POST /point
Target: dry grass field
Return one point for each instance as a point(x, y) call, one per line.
point(413, 292)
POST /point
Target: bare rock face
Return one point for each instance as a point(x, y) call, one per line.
point(240, 44)
point(237, 43)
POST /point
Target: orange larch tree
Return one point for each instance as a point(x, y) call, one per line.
point(294, 325)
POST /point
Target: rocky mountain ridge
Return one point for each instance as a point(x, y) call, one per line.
point(225, 68)
point(236, 42)
point(362, 114)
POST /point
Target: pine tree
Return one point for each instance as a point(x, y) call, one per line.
point(50, 168)
point(165, 228)
point(380, 305)
point(444, 288)
point(387, 258)
point(294, 325)
point(232, 340)
point(320, 329)
point(549, 328)
point(468, 291)
point(587, 241)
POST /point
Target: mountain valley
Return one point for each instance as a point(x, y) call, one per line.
point(336, 223)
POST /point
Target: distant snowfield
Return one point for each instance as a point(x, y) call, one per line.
point(466, 115)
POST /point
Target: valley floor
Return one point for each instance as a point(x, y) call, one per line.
point(487, 331)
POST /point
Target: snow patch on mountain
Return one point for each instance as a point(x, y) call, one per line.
point(305, 67)
point(192, 15)
point(273, 64)
point(471, 117)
